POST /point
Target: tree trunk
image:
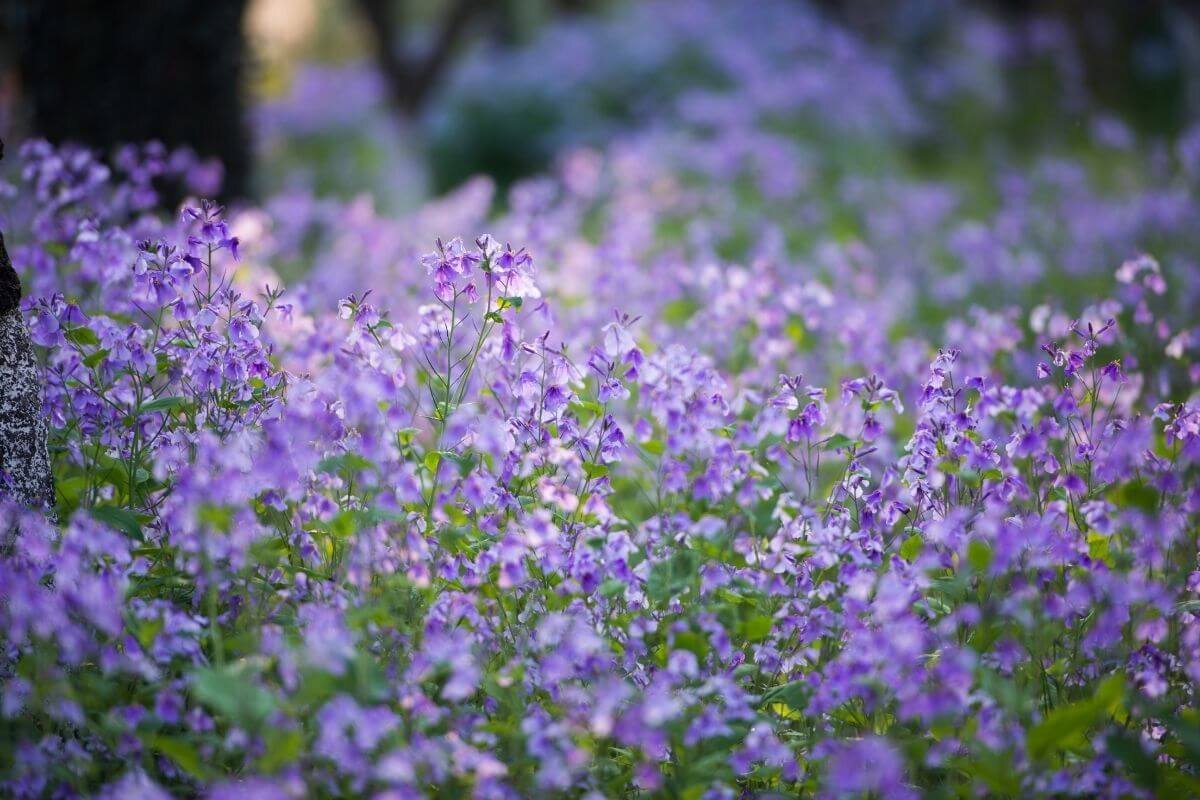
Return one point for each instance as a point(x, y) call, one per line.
point(411, 78)
point(24, 460)
point(111, 72)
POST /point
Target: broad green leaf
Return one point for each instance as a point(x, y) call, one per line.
point(182, 752)
point(758, 627)
point(612, 588)
point(911, 547)
point(1135, 495)
point(678, 311)
point(1066, 727)
point(164, 404)
point(979, 555)
point(233, 694)
point(1098, 547)
point(1128, 749)
point(838, 441)
point(82, 336)
point(595, 470)
point(282, 748)
point(690, 640)
point(120, 518)
point(95, 358)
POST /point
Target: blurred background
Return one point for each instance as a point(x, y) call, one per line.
point(402, 100)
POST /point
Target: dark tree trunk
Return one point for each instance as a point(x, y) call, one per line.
point(411, 77)
point(109, 72)
point(25, 474)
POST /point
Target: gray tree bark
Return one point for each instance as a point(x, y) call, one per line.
point(25, 474)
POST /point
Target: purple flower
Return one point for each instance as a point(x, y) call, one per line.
point(241, 330)
point(45, 329)
point(869, 765)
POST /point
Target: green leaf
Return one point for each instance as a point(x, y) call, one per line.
point(466, 462)
point(595, 470)
point(183, 753)
point(282, 748)
point(69, 489)
point(120, 518)
point(979, 555)
point(1098, 547)
point(233, 695)
point(1066, 727)
point(82, 336)
point(911, 548)
point(432, 459)
point(612, 587)
point(1127, 749)
point(995, 769)
point(148, 630)
point(345, 462)
point(316, 687)
point(672, 577)
point(591, 407)
point(690, 640)
point(218, 517)
point(838, 441)
point(1135, 495)
point(164, 404)
point(745, 671)
point(1186, 730)
point(678, 311)
point(793, 694)
point(795, 331)
point(758, 627)
point(654, 447)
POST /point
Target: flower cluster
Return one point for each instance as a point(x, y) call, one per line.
point(863, 490)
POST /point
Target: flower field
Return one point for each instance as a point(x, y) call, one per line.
point(752, 451)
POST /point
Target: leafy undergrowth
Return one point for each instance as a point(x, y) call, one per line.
point(475, 533)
